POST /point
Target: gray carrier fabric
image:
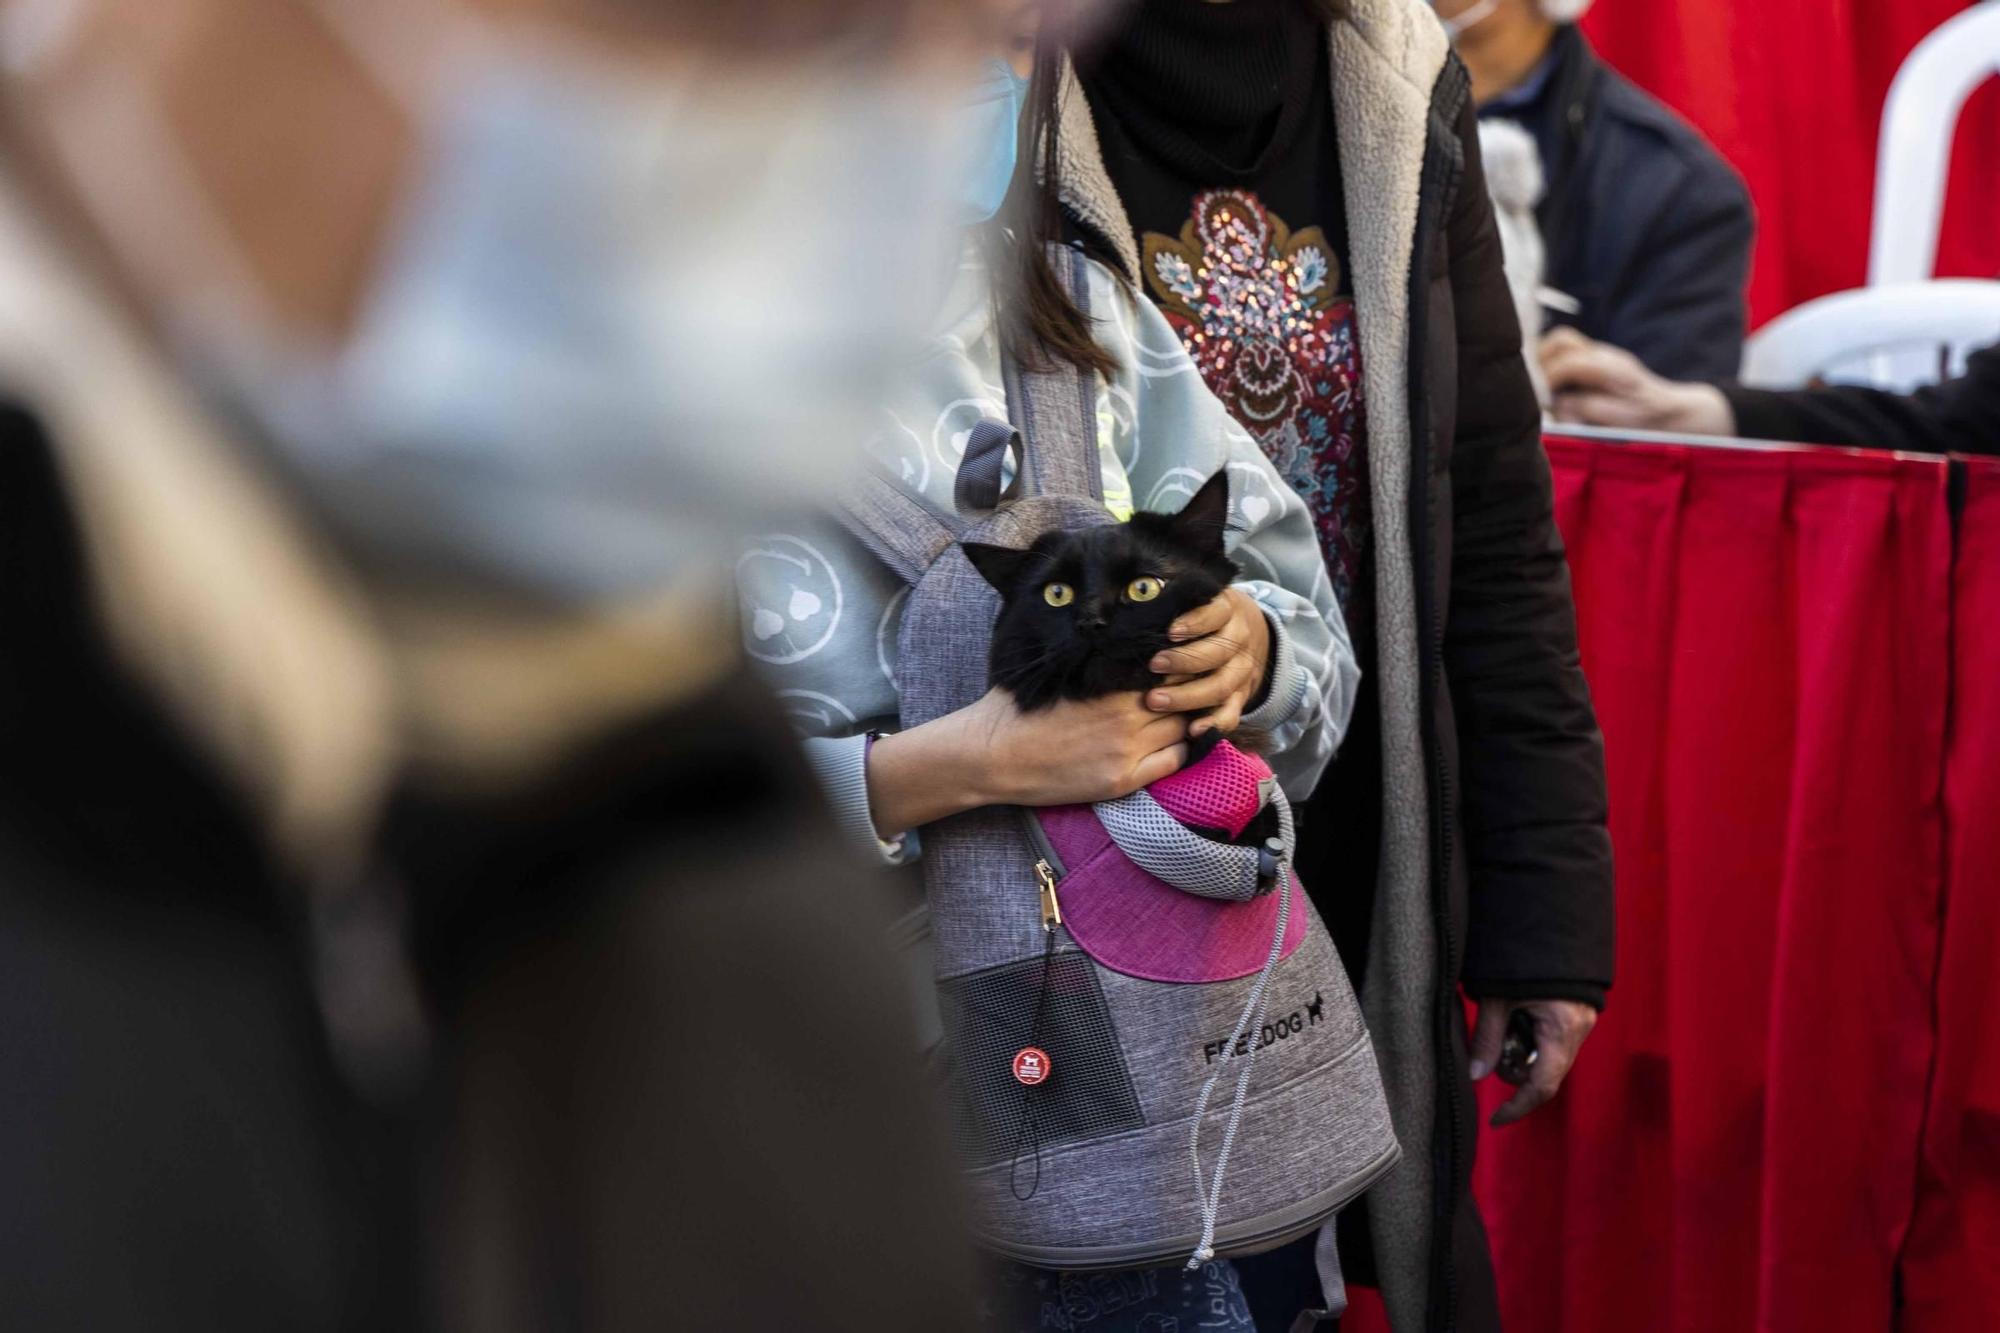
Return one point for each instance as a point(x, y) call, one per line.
point(1091, 1168)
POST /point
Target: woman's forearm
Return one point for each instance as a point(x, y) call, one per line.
point(990, 753)
point(927, 773)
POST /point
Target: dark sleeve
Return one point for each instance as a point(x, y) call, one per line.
point(1531, 758)
point(1681, 309)
point(1960, 416)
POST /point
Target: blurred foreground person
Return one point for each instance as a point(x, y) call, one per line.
point(1648, 229)
point(406, 918)
point(1596, 385)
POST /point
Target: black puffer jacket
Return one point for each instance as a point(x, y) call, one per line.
point(1496, 860)
point(1522, 852)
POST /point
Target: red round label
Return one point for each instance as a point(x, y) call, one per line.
point(1031, 1066)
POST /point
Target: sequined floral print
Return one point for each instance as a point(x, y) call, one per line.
point(1258, 307)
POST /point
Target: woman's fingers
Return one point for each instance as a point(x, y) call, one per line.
point(1161, 732)
point(1204, 619)
point(1205, 692)
point(1197, 658)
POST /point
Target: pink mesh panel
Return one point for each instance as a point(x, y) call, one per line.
point(1219, 792)
point(1133, 923)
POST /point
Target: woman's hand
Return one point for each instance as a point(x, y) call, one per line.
point(1220, 666)
point(992, 753)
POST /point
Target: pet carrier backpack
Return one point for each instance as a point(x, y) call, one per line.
point(1151, 1047)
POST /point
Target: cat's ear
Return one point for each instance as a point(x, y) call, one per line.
point(1002, 566)
point(1204, 519)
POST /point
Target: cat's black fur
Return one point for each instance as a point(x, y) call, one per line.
point(1102, 642)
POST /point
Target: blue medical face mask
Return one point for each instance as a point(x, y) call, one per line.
point(614, 319)
point(989, 135)
point(617, 318)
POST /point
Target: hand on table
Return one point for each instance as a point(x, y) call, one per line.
point(1596, 384)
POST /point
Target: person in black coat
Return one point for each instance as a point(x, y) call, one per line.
point(1648, 229)
point(1603, 386)
point(1299, 189)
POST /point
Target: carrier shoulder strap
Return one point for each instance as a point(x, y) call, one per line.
point(1053, 438)
point(1055, 406)
point(900, 528)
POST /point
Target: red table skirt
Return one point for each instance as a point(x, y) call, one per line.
point(1792, 1104)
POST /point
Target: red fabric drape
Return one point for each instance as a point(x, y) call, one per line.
point(1767, 636)
point(1951, 1266)
point(1791, 91)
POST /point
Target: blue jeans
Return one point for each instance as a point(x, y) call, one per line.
point(1145, 1300)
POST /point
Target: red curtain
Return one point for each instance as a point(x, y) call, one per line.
point(1951, 1266)
point(1798, 1077)
point(1791, 91)
point(1766, 635)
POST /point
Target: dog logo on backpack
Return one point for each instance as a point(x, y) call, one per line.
point(1031, 1066)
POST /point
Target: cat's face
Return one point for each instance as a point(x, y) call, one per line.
point(1083, 612)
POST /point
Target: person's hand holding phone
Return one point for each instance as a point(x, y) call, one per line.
point(1547, 1034)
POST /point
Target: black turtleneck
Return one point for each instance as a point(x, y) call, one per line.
point(1212, 92)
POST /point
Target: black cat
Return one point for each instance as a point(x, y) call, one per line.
point(1083, 612)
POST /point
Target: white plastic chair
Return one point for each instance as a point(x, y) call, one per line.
point(1899, 337)
point(1918, 125)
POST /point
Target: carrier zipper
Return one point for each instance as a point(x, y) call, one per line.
point(1051, 909)
point(1049, 868)
point(1044, 848)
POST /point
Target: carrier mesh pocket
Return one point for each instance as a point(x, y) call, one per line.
point(990, 1016)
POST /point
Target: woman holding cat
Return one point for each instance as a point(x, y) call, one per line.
point(1268, 655)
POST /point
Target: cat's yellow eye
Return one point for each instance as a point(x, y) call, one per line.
point(1143, 589)
point(1058, 594)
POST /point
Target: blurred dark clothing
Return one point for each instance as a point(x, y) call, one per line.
point(1960, 416)
point(175, 1150)
point(684, 1081)
point(675, 1084)
point(1646, 226)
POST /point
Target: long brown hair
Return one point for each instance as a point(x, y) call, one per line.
point(1040, 321)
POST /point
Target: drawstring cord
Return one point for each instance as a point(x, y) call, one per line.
point(1255, 1009)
